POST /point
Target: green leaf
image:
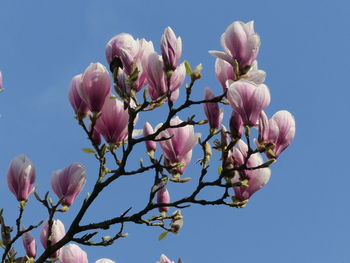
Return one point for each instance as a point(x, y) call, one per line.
point(188, 68)
point(1, 90)
point(88, 150)
point(162, 236)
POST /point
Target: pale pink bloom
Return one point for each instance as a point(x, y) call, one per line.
point(113, 122)
point(29, 244)
point(248, 100)
point(178, 148)
point(73, 254)
point(57, 233)
point(171, 49)
point(79, 106)
point(163, 197)
point(212, 111)
point(257, 178)
point(236, 125)
point(68, 182)
point(148, 130)
point(279, 131)
point(256, 75)
point(263, 128)
point(95, 86)
point(157, 79)
point(164, 259)
point(105, 260)
point(122, 43)
point(21, 177)
point(240, 43)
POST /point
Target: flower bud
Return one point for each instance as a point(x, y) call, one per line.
point(57, 233)
point(79, 106)
point(281, 131)
point(171, 49)
point(240, 44)
point(29, 244)
point(105, 260)
point(163, 197)
point(147, 130)
point(73, 254)
point(177, 222)
point(68, 182)
point(236, 125)
point(248, 100)
point(95, 86)
point(21, 177)
point(212, 111)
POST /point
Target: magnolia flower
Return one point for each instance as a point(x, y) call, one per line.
point(147, 130)
point(236, 125)
point(113, 122)
point(57, 233)
point(212, 111)
point(163, 197)
point(248, 100)
point(256, 178)
point(79, 106)
point(164, 259)
point(279, 131)
point(95, 86)
point(73, 254)
point(171, 49)
point(240, 43)
point(178, 147)
point(158, 80)
point(68, 182)
point(21, 177)
point(29, 244)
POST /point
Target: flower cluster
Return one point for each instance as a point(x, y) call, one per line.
point(110, 120)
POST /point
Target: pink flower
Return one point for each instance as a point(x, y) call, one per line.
point(95, 86)
point(257, 178)
point(68, 182)
point(171, 49)
point(157, 79)
point(73, 254)
point(212, 111)
point(279, 130)
point(240, 43)
point(79, 106)
point(113, 122)
point(178, 148)
point(236, 125)
point(248, 100)
point(122, 43)
point(57, 233)
point(29, 244)
point(147, 130)
point(21, 177)
point(163, 197)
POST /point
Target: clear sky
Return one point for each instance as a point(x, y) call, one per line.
point(302, 215)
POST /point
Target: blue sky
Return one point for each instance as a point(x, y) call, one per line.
point(302, 215)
